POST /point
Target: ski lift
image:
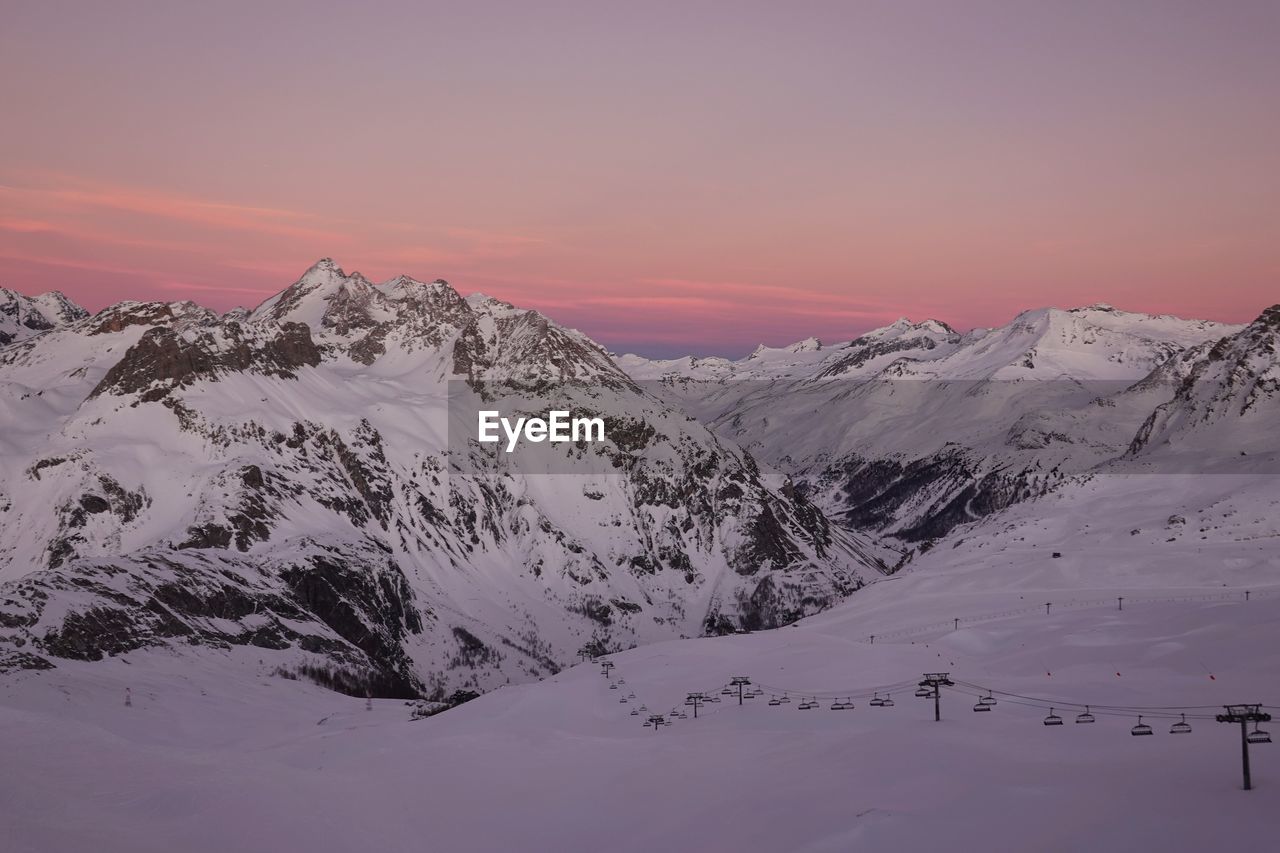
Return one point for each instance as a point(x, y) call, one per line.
point(876, 701)
point(622, 681)
point(988, 700)
point(715, 699)
point(635, 712)
point(1086, 717)
point(644, 708)
point(978, 706)
point(1258, 735)
point(785, 700)
point(613, 687)
point(1182, 727)
point(631, 695)
point(1053, 719)
point(1140, 729)
point(726, 692)
point(774, 700)
point(924, 692)
point(838, 705)
point(805, 705)
point(622, 701)
point(888, 701)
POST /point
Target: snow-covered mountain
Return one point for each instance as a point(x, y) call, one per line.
point(284, 479)
point(913, 429)
point(299, 479)
point(24, 316)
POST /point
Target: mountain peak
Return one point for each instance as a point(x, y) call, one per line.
point(22, 316)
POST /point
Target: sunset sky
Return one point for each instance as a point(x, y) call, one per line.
point(667, 177)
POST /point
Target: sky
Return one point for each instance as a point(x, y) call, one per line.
point(670, 178)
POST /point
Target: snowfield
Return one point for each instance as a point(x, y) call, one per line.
point(207, 760)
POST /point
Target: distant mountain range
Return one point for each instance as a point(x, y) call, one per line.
point(279, 486)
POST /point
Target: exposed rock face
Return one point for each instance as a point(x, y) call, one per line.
point(353, 608)
point(164, 360)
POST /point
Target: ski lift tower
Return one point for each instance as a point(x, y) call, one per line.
point(1244, 715)
point(931, 688)
point(739, 682)
point(695, 700)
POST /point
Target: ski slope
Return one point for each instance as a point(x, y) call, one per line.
point(207, 758)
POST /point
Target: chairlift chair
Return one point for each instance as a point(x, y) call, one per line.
point(924, 692)
point(785, 700)
point(1053, 719)
point(1258, 735)
point(1182, 727)
point(635, 712)
point(1141, 729)
point(888, 701)
point(988, 700)
point(876, 701)
point(613, 687)
point(775, 701)
point(1086, 717)
point(979, 707)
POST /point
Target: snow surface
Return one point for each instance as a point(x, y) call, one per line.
point(216, 750)
point(209, 758)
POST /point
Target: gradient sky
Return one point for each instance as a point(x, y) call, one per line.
point(670, 178)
